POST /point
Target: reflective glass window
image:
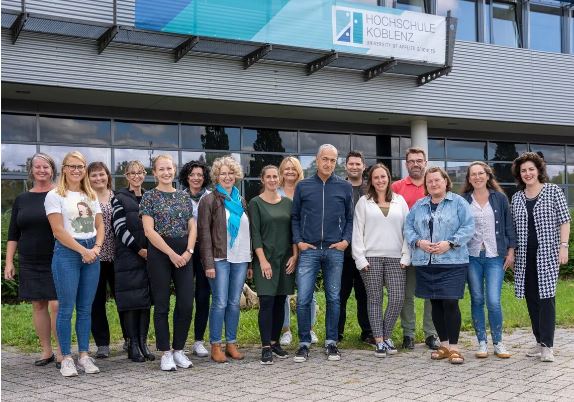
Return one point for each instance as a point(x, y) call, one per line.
point(503, 172)
point(152, 135)
point(80, 131)
point(371, 2)
point(509, 190)
point(11, 188)
point(570, 174)
point(556, 174)
point(436, 149)
point(15, 157)
point(210, 137)
point(470, 150)
point(251, 188)
point(505, 151)
point(207, 157)
point(411, 5)
point(550, 153)
point(309, 165)
point(465, 11)
point(545, 28)
point(18, 127)
point(145, 156)
point(405, 143)
point(395, 166)
point(504, 24)
point(91, 154)
point(570, 153)
point(269, 140)
point(376, 145)
point(253, 163)
point(310, 142)
point(457, 171)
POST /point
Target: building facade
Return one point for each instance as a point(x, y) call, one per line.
point(511, 89)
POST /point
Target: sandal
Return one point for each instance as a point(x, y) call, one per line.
point(440, 353)
point(455, 357)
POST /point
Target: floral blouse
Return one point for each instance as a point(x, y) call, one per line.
point(107, 252)
point(170, 211)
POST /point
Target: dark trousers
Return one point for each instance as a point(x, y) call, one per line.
point(349, 279)
point(542, 312)
point(161, 274)
point(271, 316)
point(137, 323)
point(446, 319)
point(202, 294)
point(100, 327)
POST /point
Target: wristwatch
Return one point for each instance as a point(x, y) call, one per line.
point(451, 244)
point(189, 250)
point(563, 244)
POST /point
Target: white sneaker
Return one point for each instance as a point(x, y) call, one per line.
point(546, 354)
point(482, 350)
point(535, 351)
point(286, 339)
point(167, 363)
point(391, 350)
point(86, 364)
point(68, 368)
point(199, 350)
point(500, 351)
point(314, 338)
point(181, 360)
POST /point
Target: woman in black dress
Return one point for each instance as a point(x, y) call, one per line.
point(31, 234)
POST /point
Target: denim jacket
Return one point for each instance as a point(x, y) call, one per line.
point(452, 222)
point(503, 225)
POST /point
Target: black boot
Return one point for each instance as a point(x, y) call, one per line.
point(143, 330)
point(134, 352)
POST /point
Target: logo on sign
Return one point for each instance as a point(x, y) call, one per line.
point(348, 26)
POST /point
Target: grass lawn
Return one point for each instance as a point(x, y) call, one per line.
point(18, 330)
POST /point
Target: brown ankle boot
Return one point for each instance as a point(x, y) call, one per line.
point(231, 351)
point(217, 354)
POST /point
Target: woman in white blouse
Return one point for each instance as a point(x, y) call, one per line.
point(381, 254)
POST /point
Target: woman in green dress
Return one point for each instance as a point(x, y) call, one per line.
point(274, 267)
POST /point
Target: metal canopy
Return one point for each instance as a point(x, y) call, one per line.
point(250, 53)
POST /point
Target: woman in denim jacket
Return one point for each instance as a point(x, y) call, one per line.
point(437, 229)
point(491, 252)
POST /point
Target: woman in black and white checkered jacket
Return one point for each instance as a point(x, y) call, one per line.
point(542, 224)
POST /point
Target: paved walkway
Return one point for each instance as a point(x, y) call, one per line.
point(358, 376)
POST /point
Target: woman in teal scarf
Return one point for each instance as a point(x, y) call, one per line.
point(225, 245)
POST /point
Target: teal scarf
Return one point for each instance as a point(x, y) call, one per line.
point(233, 204)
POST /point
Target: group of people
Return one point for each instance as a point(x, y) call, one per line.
point(414, 236)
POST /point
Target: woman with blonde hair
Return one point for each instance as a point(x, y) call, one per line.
point(491, 252)
point(31, 235)
point(225, 243)
point(167, 217)
point(75, 265)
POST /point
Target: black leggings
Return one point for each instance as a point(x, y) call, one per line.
point(161, 273)
point(542, 312)
point(271, 316)
point(446, 319)
point(202, 293)
point(100, 327)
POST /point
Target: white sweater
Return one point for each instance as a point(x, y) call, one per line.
point(377, 235)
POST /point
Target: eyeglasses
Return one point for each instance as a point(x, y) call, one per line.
point(75, 167)
point(134, 174)
point(478, 174)
point(416, 162)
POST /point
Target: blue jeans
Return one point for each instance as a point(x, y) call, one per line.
point(76, 284)
point(310, 261)
point(287, 320)
point(226, 289)
point(485, 276)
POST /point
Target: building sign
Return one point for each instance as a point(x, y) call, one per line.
point(315, 24)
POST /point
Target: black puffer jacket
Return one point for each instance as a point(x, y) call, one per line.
point(132, 289)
